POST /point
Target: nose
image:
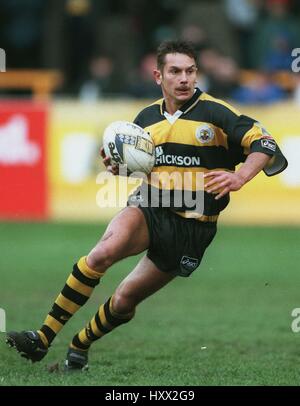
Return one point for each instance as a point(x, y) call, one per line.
point(183, 77)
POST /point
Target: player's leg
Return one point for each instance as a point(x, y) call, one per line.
point(126, 235)
point(142, 282)
point(176, 248)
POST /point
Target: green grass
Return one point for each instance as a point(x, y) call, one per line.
point(228, 324)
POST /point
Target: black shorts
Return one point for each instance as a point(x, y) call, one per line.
point(177, 244)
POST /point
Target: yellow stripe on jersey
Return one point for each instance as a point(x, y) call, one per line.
point(254, 134)
point(172, 177)
point(209, 135)
point(194, 215)
point(185, 132)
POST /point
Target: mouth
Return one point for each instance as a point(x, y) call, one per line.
point(183, 90)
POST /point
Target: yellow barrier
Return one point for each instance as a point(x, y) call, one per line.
point(272, 200)
point(74, 163)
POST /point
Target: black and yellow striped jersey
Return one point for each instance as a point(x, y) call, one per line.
point(205, 134)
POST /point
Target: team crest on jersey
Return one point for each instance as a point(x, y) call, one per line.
point(204, 133)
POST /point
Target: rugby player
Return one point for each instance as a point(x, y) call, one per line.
point(193, 132)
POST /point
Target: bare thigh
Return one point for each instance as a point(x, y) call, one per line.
point(141, 283)
point(126, 235)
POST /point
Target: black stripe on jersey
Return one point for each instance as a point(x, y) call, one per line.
point(84, 279)
point(236, 154)
point(213, 206)
point(214, 113)
point(74, 296)
point(179, 200)
point(243, 125)
point(149, 116)
point(221, 116)
point(211, 157)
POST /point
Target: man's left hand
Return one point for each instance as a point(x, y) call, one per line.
point(223, 182)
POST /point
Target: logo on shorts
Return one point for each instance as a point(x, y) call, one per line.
point(135, 200)
point(188, 265)
point(204, 134)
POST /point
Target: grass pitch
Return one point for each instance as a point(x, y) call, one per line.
point(228, 324)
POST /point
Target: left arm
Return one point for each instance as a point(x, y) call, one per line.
point(229, 181)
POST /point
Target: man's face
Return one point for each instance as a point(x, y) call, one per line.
point(178, 77)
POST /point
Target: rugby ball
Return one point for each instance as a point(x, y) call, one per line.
point(128, 144)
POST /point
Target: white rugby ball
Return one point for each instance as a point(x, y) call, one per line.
point(128, 144)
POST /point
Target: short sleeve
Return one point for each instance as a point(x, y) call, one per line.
point(253, 137)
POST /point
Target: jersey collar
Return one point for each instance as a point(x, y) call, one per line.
point(187, 106)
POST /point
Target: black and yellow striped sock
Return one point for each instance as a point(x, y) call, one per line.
point(76, 292)
point(104, 321)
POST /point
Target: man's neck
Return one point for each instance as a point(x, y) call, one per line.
point(171, 106)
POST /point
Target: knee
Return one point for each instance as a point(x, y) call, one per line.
point(100, 259)
point(123, 301)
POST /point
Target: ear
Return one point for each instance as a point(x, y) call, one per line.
point(157, 76)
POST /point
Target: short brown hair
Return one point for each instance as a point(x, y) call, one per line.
point(174, 47)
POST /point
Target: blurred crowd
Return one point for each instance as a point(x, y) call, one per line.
point(107, 48)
